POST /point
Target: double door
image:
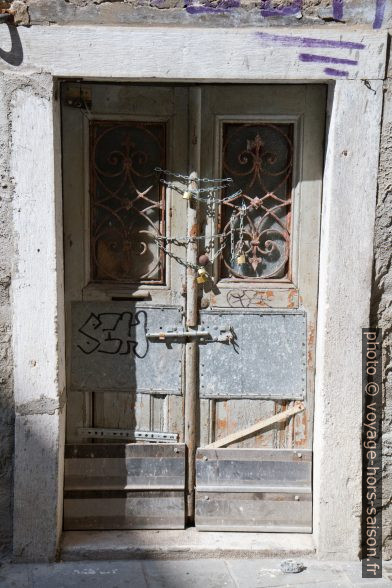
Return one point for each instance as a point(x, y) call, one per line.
point(191, 232)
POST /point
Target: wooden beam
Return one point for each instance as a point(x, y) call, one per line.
point(276, 418)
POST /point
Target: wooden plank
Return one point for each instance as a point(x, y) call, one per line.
point(279, 417)
point(123, 510)
point(234, 414)
point(254, 512)
point(216, 53)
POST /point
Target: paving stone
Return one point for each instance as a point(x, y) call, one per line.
point(267, 573)
point(207, 573)
point(12, 577)
point(118, 574)
point(353, 571)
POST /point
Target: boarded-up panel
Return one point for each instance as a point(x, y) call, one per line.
point(266, 359)
point(254, 512)
point(123, 510)
point(254, 490)
point(111, 350)
point(124, 486)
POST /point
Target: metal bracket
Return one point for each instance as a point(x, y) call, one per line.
point(153, 436)
point(221, 334)
point(78, 96)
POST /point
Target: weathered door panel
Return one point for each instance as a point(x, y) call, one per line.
point(119, 285)
point(254, 490)
point(118, 486)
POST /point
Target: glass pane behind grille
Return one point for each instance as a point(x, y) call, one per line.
point(258, 156)
point(127, 201)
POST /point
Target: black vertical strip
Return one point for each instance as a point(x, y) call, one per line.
point(371, 453)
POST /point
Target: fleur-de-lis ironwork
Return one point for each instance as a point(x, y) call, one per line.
point(258, 156)
point(127, 201)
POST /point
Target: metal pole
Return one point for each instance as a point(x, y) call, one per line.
point(191, 348)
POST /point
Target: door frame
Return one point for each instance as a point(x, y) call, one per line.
point(349, 197)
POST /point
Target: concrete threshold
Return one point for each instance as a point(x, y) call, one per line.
point(182, 544)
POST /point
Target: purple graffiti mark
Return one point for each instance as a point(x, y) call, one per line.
point(330, 71)
point(267, 10)
point(338, 9)
point(211, 6)
point(379, 16)
point(311, 58)
point(289, 41)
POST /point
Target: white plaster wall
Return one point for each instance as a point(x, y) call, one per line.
point(345, 270)
point(37, 322)
point(346, 258)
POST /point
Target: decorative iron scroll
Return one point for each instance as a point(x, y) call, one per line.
point(127, 201)
point(259, 158)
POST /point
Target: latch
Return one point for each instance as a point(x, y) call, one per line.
point(221, 334)
point(78, 96)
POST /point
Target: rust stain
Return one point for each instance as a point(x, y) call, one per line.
point(194, 230)
point(301, 425)
point(213, 301)
point(311, 340)
point(221, 424)
point(292, 298)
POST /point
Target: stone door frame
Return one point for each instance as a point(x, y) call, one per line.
point(29, 88)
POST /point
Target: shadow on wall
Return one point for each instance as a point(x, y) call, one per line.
point(15, 55)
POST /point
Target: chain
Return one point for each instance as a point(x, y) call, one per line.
point(232, 230)
point(195, 193)
point(176, 258)
point(188, 178)
point(185, 240)
point(240, 244)
point(220, 250)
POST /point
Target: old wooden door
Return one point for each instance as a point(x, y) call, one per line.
point(269, 140)
point(159, 367)
point(124, 456)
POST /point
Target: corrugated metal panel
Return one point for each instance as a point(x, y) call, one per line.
point(110, 350)
point(124, 486)
point(267, 358)
point(254, 490)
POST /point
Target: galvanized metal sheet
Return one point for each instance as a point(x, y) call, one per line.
point(254, 512)
point(111, 351)
point(125, 467)
point(254, 490)
point(250, 470)
point(123, 510)
point(266, 359)
point(124, 486)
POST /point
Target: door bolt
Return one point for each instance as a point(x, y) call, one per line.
point(205, 458)
point(296, 497)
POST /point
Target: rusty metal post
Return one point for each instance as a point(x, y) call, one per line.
point(191, 351)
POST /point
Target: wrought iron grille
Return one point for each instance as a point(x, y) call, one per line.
point(259, 158)
point(127, 201)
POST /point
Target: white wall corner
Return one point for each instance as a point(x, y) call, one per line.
point(346, 256)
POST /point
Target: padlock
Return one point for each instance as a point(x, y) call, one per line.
point(202, 277)
point(241, 259)
point(187, 195)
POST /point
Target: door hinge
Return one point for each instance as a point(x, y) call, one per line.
point(78, 96)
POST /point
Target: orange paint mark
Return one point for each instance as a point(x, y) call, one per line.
point(194, 231)
point(311, 339)
point(292, 299)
